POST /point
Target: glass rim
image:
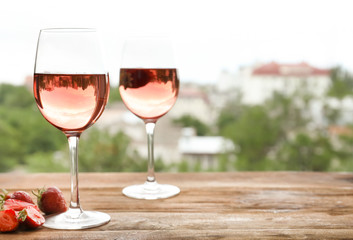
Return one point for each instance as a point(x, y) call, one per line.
point(69, 30)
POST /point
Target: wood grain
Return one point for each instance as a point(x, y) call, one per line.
point(237, 205)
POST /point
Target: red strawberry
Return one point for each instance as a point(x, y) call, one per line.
point(17, 205)
point(23, 196)
point(51, 200)
point(31, 217)
point(8, 220)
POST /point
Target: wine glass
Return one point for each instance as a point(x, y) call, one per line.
point(149, 87)
point(71, 88)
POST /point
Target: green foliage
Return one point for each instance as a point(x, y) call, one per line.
point(28, 141)
point(8, 147)
point(189, 166)
point(114, 95)
point(230, 113)
point(103, 152)
point(99, 151)
point(22, 128)
point(190, 121)
point(15, 96)
point(47, 162)
point(197, 167)
point(255, 133)
point(332, 115)
point(274, 136)
point(342, 83)
point(306, 153)
point(223, 163)
point(183, 166)
point(344, 159)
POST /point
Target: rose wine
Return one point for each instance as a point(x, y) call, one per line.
point(71, 102)
point(149, 93)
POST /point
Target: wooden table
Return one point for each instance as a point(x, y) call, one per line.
point(239, 205)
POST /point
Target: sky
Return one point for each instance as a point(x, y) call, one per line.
point(209, 36)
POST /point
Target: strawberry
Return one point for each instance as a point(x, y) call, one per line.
point(23, 196)
point(17, 205)
point(8, 220)
point(51, 200)
point(31, 217)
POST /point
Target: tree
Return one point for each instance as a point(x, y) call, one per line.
point(100, 151)
point(341, 83)
point(114, 95)
point(189, 121)
point(306, 153)
point(9, 147)
point(47, 162)
point(255, 133)
point(15, 96)
point(23, 130)
point(275, 135)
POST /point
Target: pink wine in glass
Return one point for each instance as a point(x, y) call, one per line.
point(149, 93)
point(71, 102)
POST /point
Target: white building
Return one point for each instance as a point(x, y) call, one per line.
point(257, 83)
point(203, 149)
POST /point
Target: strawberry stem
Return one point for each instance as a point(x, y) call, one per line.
point(22, 215)
point(2, 198)
point(39, 193)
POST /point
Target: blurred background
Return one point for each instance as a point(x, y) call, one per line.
point(265, 85)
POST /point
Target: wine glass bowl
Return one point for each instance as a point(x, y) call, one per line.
point(149, 87)
point(71, 88)
point(149, 93)
point(71, 102)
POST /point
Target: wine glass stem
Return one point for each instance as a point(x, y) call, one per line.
point(75, 197)
point(150, 133)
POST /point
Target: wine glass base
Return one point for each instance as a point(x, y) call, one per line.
point(151, 191)
point(86, 219)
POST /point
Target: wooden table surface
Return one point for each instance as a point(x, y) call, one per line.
point(238, 205)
